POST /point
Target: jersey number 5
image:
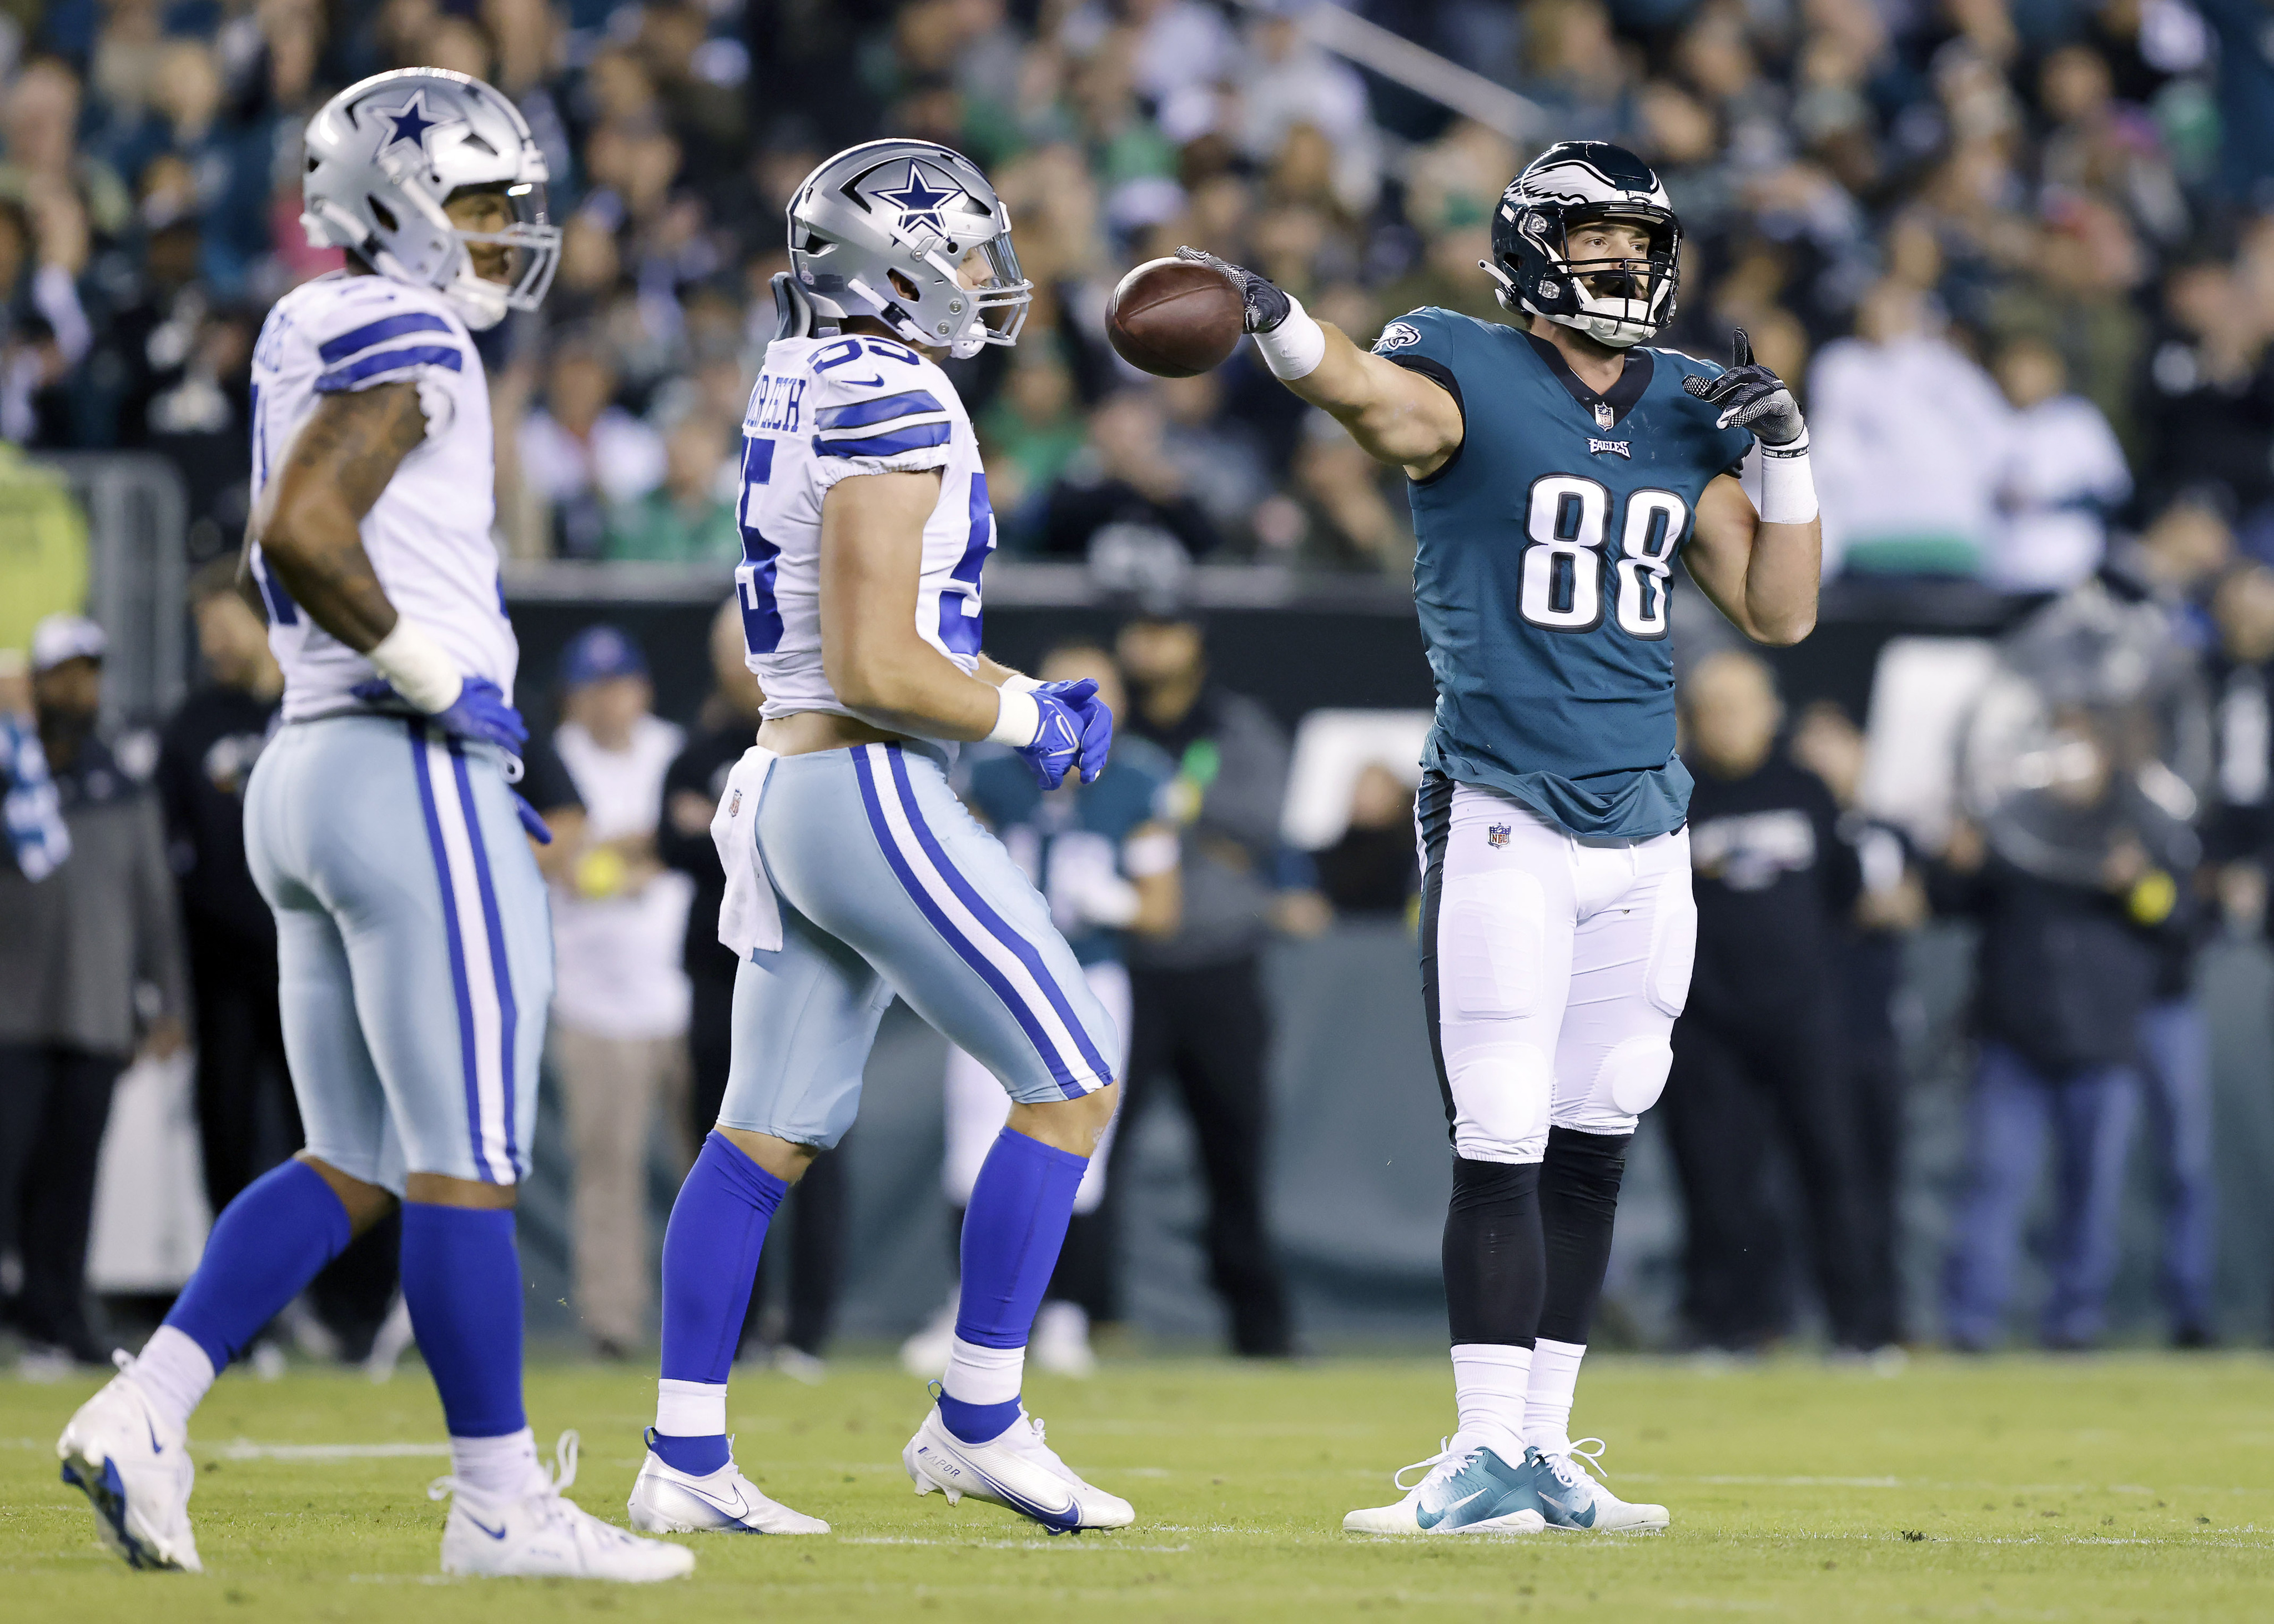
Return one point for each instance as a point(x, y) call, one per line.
point(1568, 518)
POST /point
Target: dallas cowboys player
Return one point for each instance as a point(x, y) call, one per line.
point(852, 871)
point(1556, 468)
point(413, 946)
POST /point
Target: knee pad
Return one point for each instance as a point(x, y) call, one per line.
point(1489, 945)
point(1499, 1102)
point(1627, 1084)
point(1673, 947)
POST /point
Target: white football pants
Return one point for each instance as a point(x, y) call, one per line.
point(1552, 967)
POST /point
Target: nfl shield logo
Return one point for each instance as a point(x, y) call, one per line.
point(1603, 418)
point(735, 807)
point(1497, 835)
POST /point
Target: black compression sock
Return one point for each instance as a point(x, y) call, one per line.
point(1579, 1199)
point(1495, 1271)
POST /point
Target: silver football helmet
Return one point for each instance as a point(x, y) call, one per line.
point(912, 234)
point(384, 156)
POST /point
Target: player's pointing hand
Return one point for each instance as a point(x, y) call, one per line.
point(1264, 306)
point(1751, 396)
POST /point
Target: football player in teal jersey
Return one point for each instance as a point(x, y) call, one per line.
point(1556, 466)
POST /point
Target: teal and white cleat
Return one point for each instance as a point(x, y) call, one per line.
point(1018, 1470)
point(1576, 1501)
point(135, 1470)
point(539, 1535)
point(667, 1500)
point(1467, 1489)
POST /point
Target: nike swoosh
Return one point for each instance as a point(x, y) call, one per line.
point(155, 1446)
point(494, 1533)
point(1430, 1519)
point(1067, 1517)
point(740, 1510)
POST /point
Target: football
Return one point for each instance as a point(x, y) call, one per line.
point(1174, 317)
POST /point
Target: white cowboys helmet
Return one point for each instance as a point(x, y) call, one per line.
point(910, 233)
point(1574, 183)
point(384, 156)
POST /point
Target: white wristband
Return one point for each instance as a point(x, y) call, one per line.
point(416, 665)
point(1296, 346)
point(1019, 683)
point(1018, 717)
point(1788, 487)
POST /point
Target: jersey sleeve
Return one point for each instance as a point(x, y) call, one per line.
point(362, 342)
point(1423, 341)
point(878, 408)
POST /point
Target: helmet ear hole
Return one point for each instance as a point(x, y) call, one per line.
point(382, 214)
point(906, 289)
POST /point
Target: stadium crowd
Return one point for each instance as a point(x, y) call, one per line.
point(2018, 259)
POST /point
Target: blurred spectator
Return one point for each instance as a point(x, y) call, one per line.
point(2067, 970)
point(43, 567)
point(1869, 958)
point(1200, 1017)
point(1125, 494)
point(2064, 476)
point(1372, 869)
point(75, 946)
point(580, 453)
point(728, 726)
point(1757, 1053)
point(2210, 389)
point(1339, 517)
point(1910, 441)
point(205, 755)
point(690, 518)
point(620, 996)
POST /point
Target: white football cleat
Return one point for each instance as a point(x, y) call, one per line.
point(1467, 1488)
point(1017, 1470)
point(1060, 1344)
point(135, 1469)
point(1577, 1499)
point(926, 1353)
point(667, 1500)
point(541, 1535)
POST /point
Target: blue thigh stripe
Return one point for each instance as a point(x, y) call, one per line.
point(965, 948)
point(498, 968)
point(457, 949)
point(1028, 954)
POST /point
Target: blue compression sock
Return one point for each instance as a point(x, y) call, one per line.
point(265, 1247)
point(1012, 1232)
point(709, 1259)
point(462, 1282)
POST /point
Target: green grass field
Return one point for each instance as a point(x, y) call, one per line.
point(2114, 1488)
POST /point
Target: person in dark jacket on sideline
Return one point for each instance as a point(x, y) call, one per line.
point(2065, 972)
point(1757, 1060)
point(74, 946)
point(1198, 1013)
point(728, 727)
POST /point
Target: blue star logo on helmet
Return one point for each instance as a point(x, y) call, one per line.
point(410, 123)
point(919, 201)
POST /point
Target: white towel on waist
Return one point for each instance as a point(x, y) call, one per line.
point(749, 918)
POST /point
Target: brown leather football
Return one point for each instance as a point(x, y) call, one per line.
point(1174, 317)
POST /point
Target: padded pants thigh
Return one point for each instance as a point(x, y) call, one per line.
point(1631, 963)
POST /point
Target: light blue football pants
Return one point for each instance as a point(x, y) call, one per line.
point(414, 946)
point(888, 886)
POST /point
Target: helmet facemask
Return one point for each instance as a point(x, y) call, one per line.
point(1622, 299)
point(528, 241)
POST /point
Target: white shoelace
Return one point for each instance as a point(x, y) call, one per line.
point(1593, 1460)
point(1445, 1452)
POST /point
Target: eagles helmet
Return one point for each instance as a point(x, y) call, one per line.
point(1574, 183)
point(384, 156)
point(888, 229)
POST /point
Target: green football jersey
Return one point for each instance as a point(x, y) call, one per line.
point(1543, 553)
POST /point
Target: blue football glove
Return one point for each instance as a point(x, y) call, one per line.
point(1057, 747)
point(1096, 722)
point(531, 823)
point(479, 712)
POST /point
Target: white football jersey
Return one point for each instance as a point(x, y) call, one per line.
point(825, 409)
point(428, 534)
